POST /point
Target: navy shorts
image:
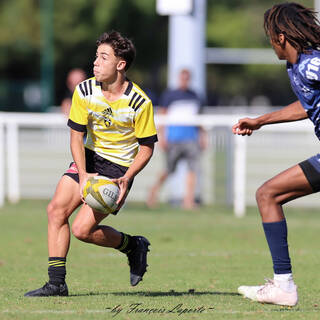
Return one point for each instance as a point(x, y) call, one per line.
point(97, 164)
point(311, 169)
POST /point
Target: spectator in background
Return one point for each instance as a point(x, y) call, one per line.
point(180, 142)
point(74, 77)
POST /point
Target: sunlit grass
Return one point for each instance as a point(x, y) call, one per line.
point(197, 261)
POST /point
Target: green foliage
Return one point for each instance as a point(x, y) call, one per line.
point(233, 28)
point(76, 26)
point(19, 24)
point(78, 23)
point(19, 32)
point(239, 23)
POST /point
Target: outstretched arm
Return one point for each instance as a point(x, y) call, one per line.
point(292, 112)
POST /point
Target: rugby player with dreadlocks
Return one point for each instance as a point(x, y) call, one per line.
point(294, 34)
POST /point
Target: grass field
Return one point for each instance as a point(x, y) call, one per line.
point(197, 261)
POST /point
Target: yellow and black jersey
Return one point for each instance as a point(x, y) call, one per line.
point(114, 128)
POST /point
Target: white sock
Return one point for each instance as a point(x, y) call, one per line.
point(285, 281)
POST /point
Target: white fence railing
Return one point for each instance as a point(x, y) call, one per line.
point(38, 145)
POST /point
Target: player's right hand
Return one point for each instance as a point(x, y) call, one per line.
point(82, 182)
point(246, 126)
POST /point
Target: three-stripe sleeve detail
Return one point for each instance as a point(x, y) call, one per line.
point(136, 101)
point(86, 87)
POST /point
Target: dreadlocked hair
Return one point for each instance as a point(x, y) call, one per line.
point(298, 24)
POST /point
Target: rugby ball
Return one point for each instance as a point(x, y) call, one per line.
point(101, 194)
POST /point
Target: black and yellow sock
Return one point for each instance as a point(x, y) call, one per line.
point(128, 243)
point(57, 270)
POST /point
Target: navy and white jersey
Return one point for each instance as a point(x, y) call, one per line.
point(305, 81)
point(180, 103)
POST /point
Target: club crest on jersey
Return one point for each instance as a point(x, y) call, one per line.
point(107, 113)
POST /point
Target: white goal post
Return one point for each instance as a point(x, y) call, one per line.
point(37, 144)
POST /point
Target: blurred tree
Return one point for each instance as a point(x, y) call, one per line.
point(78, 23)
point(75, 38)
point(19, 38)
point(239, 24)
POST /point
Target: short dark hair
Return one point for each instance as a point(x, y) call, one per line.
point(122, 46)
point(298, 24)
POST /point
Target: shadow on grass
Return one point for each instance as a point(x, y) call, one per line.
point(158, 293)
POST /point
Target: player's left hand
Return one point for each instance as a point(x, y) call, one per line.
point(246, 126)
point(123, 183)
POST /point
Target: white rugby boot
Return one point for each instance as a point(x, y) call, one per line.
point(271, 292)
point(249, 292)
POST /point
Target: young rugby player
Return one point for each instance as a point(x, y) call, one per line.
point(118, 119)
point(294, 34)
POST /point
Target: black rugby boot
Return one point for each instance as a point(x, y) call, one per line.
point(49, 290)
point(137, 259)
